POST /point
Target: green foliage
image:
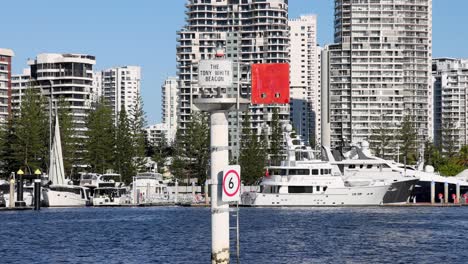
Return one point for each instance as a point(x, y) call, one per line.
point(276, 141)
point(197, 145)
point(407, 136)
point(124, 151)
point(252, 158)
point(68, 136)
point(137, 124)
point(449, 142)
point(179, 164)
point(31, 144)
point(100, 138)
point(8, 163)
point(450, 168)
point(161, 153)
point(381, 139)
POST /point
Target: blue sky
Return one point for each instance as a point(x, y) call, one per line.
point(143, 32)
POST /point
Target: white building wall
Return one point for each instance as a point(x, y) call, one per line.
point(379, 68)
point(305, 78)
point(169, 109)
point(121, 88)
point(20, 82)
point(6, 56)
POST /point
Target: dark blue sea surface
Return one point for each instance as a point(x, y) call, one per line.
point(182, 235)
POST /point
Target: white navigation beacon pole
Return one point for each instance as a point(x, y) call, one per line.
point(217, 74)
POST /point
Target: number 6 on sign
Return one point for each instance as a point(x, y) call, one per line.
point(231, 184)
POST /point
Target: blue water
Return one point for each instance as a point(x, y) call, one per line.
point(182, 235)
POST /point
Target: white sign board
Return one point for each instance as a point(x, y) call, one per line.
point(231, 184)
point(215, 73)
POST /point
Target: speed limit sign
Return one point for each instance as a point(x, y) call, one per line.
point(231, 184)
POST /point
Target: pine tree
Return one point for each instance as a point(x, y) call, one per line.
point(449, 142)
point(276, 141)
point(178, 165)
point(68, 136)
point(100, 141)
point(137, 126)
point(252, 158)
point(31, 148)
point(124, 151)
point(8, 163)
point(197, 145)
point(407, 136)
point(380, 139)
point(161, 152)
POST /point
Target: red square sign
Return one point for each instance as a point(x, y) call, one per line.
point(270, 83)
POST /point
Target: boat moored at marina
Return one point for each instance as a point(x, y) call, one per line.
point(148, 188)
point(302, 180)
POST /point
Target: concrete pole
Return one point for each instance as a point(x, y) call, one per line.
point(219, 210)
point(12, 192)
point(446, 192)
point(458, 194)
point(432, 192)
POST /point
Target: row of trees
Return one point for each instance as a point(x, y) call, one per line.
point(444, 159)
point(24, 139)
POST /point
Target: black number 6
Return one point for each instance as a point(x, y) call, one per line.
point(231, 184)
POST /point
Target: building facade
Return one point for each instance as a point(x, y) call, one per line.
point(378, 71)
point(253, 31)
point(304, 78)
point(169, 107)
point(120, 88)
point(19, 84)
point(157, 133)
point(6, 56)
point(450, 103)
point(67, 76)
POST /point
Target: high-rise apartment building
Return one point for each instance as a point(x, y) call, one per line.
point(5, 83)
point(254, 31)
point(450, 103)
point(121, 88)
point(67, 76)
point(378, 71)
point(304, 78)
point(19, 84)
point(169, 107)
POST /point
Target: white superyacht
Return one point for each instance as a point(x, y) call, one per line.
point(302, 180)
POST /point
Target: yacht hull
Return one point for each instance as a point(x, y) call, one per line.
point(354, 196)
point(62, 199)
point(400, 192)
point(422, 191)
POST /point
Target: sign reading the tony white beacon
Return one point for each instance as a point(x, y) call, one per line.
point(231, 184)
point(215, 73)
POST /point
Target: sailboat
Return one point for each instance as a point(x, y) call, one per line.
point(60, 193)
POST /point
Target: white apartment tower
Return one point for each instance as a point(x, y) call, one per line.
point(378, 71)
point(304, 78)
point(19, 84)
point(5, 83)
point(450, 102)
point(169, 109)
point(69, 76)
point(253, 31)
point(120, 88)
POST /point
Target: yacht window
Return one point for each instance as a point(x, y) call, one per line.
point(315, 172)
point(361, 166)
point(369, 166)
point(299, 172)
point(300, 189)
point(318, 188)
point(322, 171)
point(325, 188)
point(352, 166)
